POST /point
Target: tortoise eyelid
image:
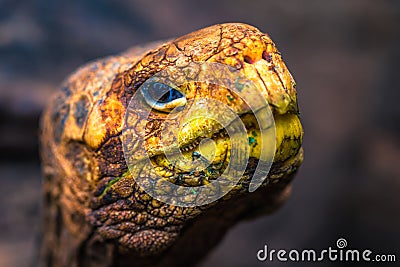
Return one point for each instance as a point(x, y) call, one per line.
point(156, 99)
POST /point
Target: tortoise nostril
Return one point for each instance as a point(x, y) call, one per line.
point(267, 56)
point(248, 59)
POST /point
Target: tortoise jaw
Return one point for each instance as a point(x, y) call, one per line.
point(207, 157)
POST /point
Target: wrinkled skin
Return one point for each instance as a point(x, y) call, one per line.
point(94, 212)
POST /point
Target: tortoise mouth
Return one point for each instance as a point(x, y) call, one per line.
point(195, 144)
point(205, 159)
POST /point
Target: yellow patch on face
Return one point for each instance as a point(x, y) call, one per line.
point(104, 121)
point(95, 129)
point(289, 136)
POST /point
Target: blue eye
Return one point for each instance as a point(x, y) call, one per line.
point(163, 93)
point(162, 96)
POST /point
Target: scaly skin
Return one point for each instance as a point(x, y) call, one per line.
point(94, 212)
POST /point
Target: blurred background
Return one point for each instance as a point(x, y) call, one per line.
point(343, 54)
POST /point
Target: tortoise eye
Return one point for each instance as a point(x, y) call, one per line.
point(162, 97)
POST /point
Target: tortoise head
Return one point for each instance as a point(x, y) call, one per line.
point(180, 133)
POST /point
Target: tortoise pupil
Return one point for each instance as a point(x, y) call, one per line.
point(163, 93)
